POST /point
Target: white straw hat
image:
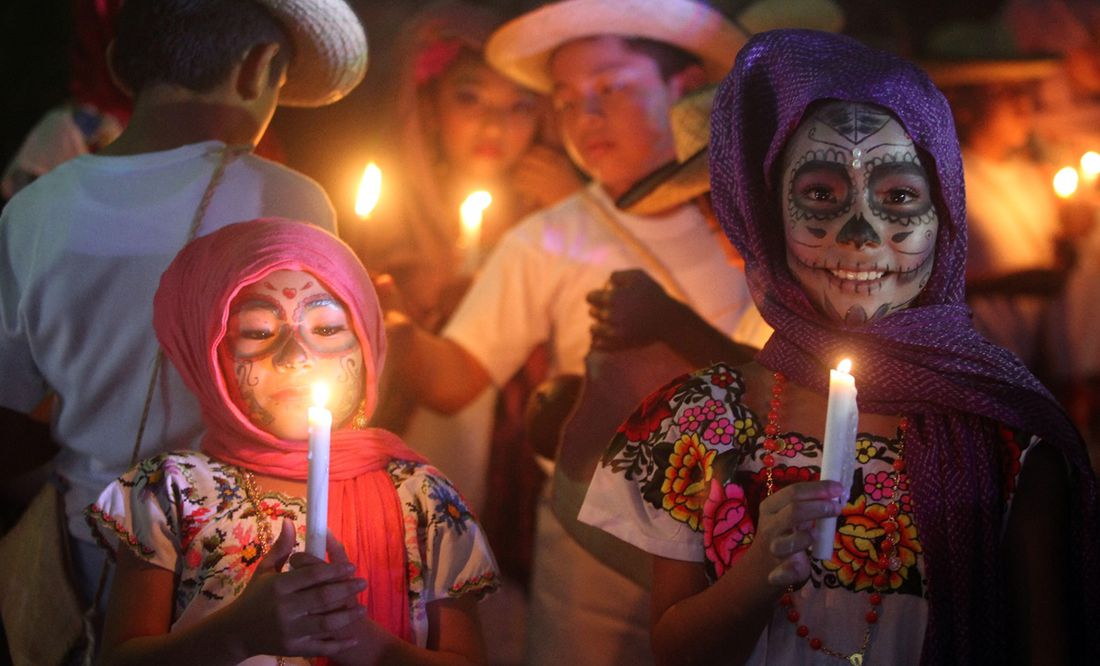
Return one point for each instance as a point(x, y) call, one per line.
point(522, 47)
point(330, 50)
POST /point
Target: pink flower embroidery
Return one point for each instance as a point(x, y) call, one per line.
point(879, 486)
point(690, 420)
point(719, 432)
point(712, 409)
point(727, 526)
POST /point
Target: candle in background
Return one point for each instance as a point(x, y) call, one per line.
point(320, 431)
point(839, 454)
point(370, 189)
point(1065, 182)
point(1090, 168)
point(471, 212)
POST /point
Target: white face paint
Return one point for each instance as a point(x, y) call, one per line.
point(285, 333)
point(858, 215)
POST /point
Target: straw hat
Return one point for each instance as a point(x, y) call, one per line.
point(330, 50)
point(689, 175)
point(981, 53)
point(522, 47)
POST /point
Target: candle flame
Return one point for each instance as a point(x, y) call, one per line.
point(473, 207)
point(370, 190)
point(1090, 165)
point(1065, 182)
point(320, 394)
point(844, 366)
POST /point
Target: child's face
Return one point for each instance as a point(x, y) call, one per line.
point(285, 333)
point(612, 106)
point(859, 220)
point(485, 122)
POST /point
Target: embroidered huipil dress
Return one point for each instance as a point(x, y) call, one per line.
point(190, 514)
point(684, 478)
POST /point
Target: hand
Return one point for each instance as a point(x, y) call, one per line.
point(630, 311)
point(300, 612)
point(784, 533)
point(544, 176)
point(367, 640)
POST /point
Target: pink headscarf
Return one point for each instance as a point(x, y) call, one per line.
point(190, 312)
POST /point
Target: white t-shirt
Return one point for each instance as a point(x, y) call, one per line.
point(81, 254)
point(532, 289)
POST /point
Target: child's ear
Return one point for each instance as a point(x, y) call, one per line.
point(254, 73)
point(688, 79)
point(115, 78)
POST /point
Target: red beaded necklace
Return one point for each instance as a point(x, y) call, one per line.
point(888, 558)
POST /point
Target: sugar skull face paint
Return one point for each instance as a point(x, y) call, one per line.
point(859, 221)
point(285, 333)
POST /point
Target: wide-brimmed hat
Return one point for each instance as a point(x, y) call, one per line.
point(965, 53)
point(689, 175)
point(522, 47)
point(330, 50)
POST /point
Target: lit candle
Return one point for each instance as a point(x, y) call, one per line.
point(1065, 182)
point(838, 457)
point(471, 212)
point(370, 190)
point(320, 431)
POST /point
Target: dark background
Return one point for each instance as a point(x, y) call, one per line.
point(331, 144)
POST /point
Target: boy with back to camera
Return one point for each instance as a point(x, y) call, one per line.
point(82, 248)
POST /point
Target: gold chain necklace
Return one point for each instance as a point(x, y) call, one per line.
point(888, 558)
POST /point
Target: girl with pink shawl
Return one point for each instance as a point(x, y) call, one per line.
point(199, 580)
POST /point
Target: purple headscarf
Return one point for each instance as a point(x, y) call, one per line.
point(927, 361)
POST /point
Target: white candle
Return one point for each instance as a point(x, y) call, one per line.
point(320, 431)
point(838, 459)
point(471, 212)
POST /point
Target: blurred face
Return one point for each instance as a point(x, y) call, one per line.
point(612, 107)
point(858, 217)
point(485, 121)
point(285, 333)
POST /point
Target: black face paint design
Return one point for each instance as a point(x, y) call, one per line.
point(860, 224)
point(858, 232)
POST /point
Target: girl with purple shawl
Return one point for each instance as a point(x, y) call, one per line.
point(968, 533)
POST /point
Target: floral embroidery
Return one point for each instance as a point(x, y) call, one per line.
point(722, 377)
point(691, 419)
point(866, 450)
point(745, 429)
point(719, 432)
point(211, 530)
point(879, 486)
point(686, 478)
point(727, 526)
point(480, 583)
point(856, 556)
point(450, 507)
point(791, 446)
point(649, 416)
